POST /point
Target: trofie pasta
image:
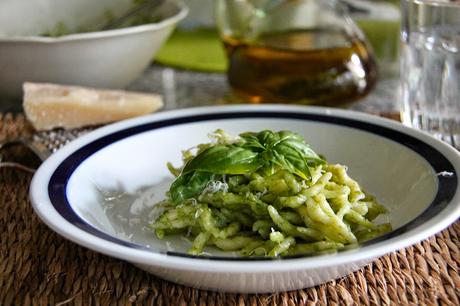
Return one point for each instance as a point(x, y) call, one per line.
point(266, 194)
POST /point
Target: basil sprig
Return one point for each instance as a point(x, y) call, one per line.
point(265, 151)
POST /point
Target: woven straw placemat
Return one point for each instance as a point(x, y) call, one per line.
point(38, 267)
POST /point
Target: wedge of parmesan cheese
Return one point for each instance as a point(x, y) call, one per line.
point(48, 106)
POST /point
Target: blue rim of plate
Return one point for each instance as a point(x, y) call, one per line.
point(57, 185)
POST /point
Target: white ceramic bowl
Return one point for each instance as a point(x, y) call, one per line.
point(410, 172)
point(106, 59)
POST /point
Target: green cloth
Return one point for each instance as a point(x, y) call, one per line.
point(383, 36)
point(199, 49)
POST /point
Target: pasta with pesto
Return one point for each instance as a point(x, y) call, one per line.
point(266, 194)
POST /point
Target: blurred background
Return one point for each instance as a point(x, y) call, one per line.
point(345, 52)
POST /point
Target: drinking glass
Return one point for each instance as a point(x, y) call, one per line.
point(295, 51)
point(430, 67)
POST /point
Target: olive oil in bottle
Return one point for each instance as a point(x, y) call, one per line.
point(320, 66)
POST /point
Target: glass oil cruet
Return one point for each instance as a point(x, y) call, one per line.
point(295, 51)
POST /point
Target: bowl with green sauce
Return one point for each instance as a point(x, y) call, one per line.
point(288, 197)
point(60, 42)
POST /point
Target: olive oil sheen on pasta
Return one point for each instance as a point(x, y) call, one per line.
point(320, 66)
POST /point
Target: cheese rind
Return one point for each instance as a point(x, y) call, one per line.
point(49, 106)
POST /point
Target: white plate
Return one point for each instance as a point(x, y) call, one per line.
point(410, 172)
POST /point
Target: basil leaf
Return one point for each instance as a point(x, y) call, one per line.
point(269, 167)
point(294, 154)
point(224, 159)
point(285, 149)
point(215, 160)
point(287, 135)
point(250, 141)
point(310, 156)
point(292, 160)
point(268, 138)
point(189, 185)
point(265, 151)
